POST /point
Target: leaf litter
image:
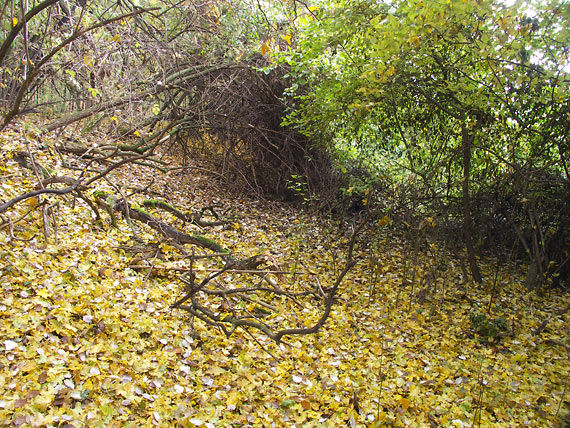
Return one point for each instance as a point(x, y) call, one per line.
point(86, 340)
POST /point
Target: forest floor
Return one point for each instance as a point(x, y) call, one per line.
point(88, 337)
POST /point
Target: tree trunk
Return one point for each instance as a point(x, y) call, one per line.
point(467, 140)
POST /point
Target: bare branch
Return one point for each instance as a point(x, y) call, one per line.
point(230, 320)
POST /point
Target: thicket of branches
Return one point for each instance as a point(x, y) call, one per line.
point(172, 71)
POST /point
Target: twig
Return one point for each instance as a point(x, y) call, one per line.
point(544, 323)
point(12, 223)
point(208, 256)
point(151, 266)
point(276, 272)
point(18, 239)
point(261, 345)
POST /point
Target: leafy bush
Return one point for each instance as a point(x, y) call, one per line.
point(488, 327)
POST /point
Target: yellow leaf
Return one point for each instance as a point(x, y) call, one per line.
point(43, 400)
point(518, 358)
point(233, 398)
point(32, 202)
point(413, 39)
point(404, 403)
point(38, 420)
point(265, 49)
point(383, 221)
point(287, 38)
point(117, 38)
point(125, 390)
point(14, 22)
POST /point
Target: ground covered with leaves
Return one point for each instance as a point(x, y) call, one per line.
point(88, 337)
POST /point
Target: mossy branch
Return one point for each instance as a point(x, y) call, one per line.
point(189, 218)
point(155, 203)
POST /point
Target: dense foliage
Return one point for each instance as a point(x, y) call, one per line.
point(465, 102)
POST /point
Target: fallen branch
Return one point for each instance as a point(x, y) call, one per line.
point(234, 317)
point(255, 271)
point(79, 184)
point(6, 205)
point(188, 218)
point(544, 323)
point(163, 228)
point(557, 342)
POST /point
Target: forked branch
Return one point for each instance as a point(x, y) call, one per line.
point(232, 315)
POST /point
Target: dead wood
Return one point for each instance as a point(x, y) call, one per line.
point(233, 318)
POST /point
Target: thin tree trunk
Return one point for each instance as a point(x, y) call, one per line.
point(467, 140)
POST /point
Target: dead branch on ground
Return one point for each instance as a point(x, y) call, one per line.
point(228, 308)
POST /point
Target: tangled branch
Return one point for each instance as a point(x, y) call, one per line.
point(230, 315)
